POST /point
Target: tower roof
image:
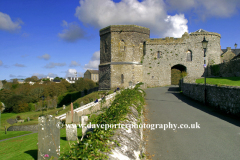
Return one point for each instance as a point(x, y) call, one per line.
point(201, 30)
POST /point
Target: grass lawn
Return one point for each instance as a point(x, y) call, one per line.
point(11, 134)
point(25, 147)
point(227, 81)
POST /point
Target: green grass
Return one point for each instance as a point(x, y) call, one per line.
point(25, 147)
point(11, 134)
point(226, 81)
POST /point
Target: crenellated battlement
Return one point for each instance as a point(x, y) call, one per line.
point(124, 28)
point(168, 40)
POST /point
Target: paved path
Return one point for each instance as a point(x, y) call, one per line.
point(217, 139)
point(17, 136)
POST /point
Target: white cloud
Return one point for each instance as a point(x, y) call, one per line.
point(1, 63)
point(72, 33)
point(52, 75)
point(21, 76)
point(74, 64)
point(148, 13)
point(7, 24)
point(206, 8)
point(94, 62)
point(52, 65)
point(25, 55)
point(45, 56)
point(71, 73)
point(39, 75)
point(25, 35)
point(19, 65)
point(64, 23)
point(178, 25)
point(11, 75)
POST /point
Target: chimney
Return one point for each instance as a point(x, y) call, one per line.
point(228, 48)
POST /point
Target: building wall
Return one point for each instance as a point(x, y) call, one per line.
point(130, 52)
point(94, 77)
point(87, 75)
point(126, 48)
point(227, 56)
point(157, 71)
point(104, 77)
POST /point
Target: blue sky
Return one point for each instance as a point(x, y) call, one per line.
point(57, 38)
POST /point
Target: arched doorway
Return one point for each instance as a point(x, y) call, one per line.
point(177, 72)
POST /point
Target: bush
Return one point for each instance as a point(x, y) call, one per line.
point(18, 118)
point(85, 92)
point(31, 107)
point(67, 98)
point(75, 105)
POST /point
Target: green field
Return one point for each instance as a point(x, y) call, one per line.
point(11, 134)
point(225, 81)
point(25, 147)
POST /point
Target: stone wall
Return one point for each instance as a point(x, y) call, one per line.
point(104, 77)
point(226, 98)
point(227, 69)
point(121, 48)
point(23, 128)
point(174, 51)
point(228, 55)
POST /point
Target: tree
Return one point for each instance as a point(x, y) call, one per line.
point(4, 81)
point(32, 79)
point(57, 78)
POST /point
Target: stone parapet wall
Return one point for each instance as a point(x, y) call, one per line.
point(23, 128)
point(226, 98)
point(92, 107)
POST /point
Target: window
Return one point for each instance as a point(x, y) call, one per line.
point(105, 47)
point(189, 55)
point(158, 54)
point(122, 78)
point(122, 46)
point(152, 77)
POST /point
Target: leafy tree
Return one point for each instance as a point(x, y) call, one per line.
point(57, 78)
point(4, 81)
point(33, 79)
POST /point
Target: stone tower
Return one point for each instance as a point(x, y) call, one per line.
point(121, 52)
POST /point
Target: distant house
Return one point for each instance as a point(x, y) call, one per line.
point(1, 85)
point(92, 74)
point(56, 80)
point(21, 81)
point(72, 79)
point(229, 54)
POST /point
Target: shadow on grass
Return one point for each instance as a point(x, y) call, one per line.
point(207, 109)
point(33, 153)
point(64, 138)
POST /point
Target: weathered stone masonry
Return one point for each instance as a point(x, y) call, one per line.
point(127, 54)
point(225, 98)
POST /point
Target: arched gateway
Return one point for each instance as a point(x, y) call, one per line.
point(177, 72)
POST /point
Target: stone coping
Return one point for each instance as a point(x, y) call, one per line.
point(87, 106)
point(124, 28)
point(120, 63)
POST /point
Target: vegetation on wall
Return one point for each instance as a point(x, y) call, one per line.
point(215, 69)
point(98, 142)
